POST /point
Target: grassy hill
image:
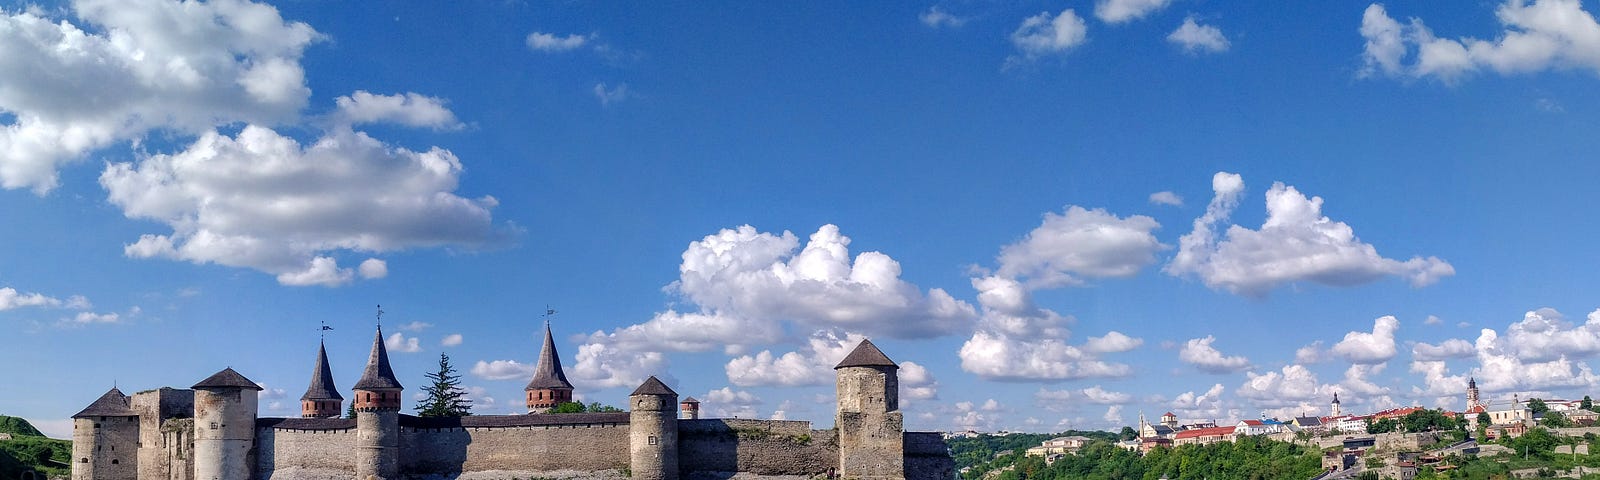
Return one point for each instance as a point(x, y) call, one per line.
point(30, 450)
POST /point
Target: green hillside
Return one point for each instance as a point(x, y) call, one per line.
point(29, 450)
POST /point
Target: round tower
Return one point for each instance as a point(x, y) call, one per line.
point(377, 403)
point(105, 440)
point(322, 399)
point(653, 431)
point(871, 426)
point(549, 386)
point(691, 408)
point(224, 426)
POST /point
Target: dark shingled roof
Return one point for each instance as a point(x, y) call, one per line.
point(474, 421)
point(227, 378)
point(112, 404)
point(378, 374)
point(322, 387)
point(652, 386)
point(866, 355)
point(548, 375)
point(689, 400)
point(306, 423)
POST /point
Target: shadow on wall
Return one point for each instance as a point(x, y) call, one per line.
point(434, 453)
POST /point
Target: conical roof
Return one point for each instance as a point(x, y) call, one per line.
point(548, 375)
point(653, 386)
point(378, 374)
point(227, 378)
point(112, 404)
point(866, 355)
point(689, 400)
point(322, 387)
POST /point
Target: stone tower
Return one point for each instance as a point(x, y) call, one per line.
point(1170, 420)
point(871, 426)
point(549, 386)
point(1472, 394)
point(224, 426)
point(322, 399)
point(653, 431)
point(105, 439)
point(377, 406)
point(691, 408)
point(1333, 408)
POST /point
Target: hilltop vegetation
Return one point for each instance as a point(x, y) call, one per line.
point(30, 450)
point(1247, 458)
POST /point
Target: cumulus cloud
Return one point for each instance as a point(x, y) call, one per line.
point(1080, 244)
point(1545, 334)
point(1448, 349)
point(408, 109)
point(606, 366)
point(260, 200)
point(1296, 243)
point(1196, 38)
point(1505, 363)
point(1292, 384)
point(1102, 396)
point(128, 68)
point(1309, 354)
point(936, 17)
point(1207, 405)
point(502, 370)
point(1019, 341)
point(1046, 34)
point(373, 268)
point(1369, 348)
point(1120, 11)
point(1112, 342)
point(398, 342)
point(87, 318)
point(1433, 320)
point(1357, 380)
point(549, 42)
point(1537, 35)
point(1166, 198)
point(451, 340)
point(811, 365)
point(11, 299)
point(414, 326)
point(1200, 353)
point(916, 383)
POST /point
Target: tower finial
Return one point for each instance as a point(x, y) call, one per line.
point(324, 330)
point(548, 313)
point(380, 316)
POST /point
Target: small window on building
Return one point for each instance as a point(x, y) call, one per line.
point(113, 461)
point(213, 425)
point(653, 440)
point(83, 460)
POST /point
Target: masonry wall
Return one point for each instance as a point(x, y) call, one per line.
point(928, 457)
point(282, 453)
point(581, 447)
point(761, 447)
point(155, 407)
point(177, 450)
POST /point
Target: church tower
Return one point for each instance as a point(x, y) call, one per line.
point(105, 438)
point(549, 386)
point(322, 399)
point(871, 426)
point(1333, 409)
point(224, 426)
point(1472, 395)
point(653, 431)
point(377, 406)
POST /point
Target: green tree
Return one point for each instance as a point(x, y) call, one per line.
point(350, 412)
point(568, 407)
point(597, 407)
point(1555, 420)
point(1127, 434)
point(1587, 404)
point(1537, 406)
point(445, 397)
point(1383, 426)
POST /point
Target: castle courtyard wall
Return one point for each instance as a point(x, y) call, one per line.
point(927, 456)
point(544, 448)
point(309, 454)
point(755, 447)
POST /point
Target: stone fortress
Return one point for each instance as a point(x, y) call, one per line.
point(211, 432)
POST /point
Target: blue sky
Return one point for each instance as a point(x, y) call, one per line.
point(1060, 213)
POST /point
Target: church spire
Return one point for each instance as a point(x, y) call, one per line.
point(322, 398)
point(549, 386)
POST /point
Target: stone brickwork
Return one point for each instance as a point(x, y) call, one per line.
point(105, 448)
point(287, 453)
point(155, 407)
point(927, 456)
point(757, 447)
point(871, 426)
point(177, 449)
point(224, 432)
point(550, 448)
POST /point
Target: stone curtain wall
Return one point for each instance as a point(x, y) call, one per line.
point(580, 447)
point(927, 456)
point(305, 453)
point(756, 447)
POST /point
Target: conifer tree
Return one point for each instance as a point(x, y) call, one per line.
point(350, 412)
point(445, 397)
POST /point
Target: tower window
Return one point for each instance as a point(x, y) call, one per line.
point(113, 461)
point(653, 440)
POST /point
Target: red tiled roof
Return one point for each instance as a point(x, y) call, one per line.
point(1206, 432)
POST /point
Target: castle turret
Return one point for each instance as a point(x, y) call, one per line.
point(322, 399)
point(377, 405)
point(105, 440)
point(690, 408)
point(653, 431)
point(549, 386)
point(224, 426)
point(871, 426)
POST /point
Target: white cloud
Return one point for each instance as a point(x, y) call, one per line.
point(1357, 380)
point(414, 326)
point(269, 393)
point(547, 42)
point(732, 397)
point(373, 268)
point(1200, 353)
point(1197, 38)
point(1017, 340)
point(812, 365)
point(1309, 354)
point(1276, 389)
point(1166, 198)
point(1433, 320)
point(1538, 35)
point(1296, 243)
point(1120, 11)
point(451, 340)
point(503, 370)
point(1369, 348)
point(10, 299)
point(1102, 396)
point(608, 96)
point(1044, 34)
point(1194, 406)
point(400, 343)
point(936, 17)
point(1545, 334)
point(604, 366)
point(691, 332)
point(1113, 415)
point(1448, 349)
point(143, 66)
point(1078, 244)
point(262, 201)
point(87, 318)
point(916, 383)
point(1112, 342)
point(408, 109)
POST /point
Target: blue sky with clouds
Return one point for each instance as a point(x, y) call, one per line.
point(1059, 214)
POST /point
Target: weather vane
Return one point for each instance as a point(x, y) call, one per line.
point(548, 312)
point(380, 316)
point(325, 329)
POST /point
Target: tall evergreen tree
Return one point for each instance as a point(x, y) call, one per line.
point(445, 398)
point(350, 412)
point(1588, 404)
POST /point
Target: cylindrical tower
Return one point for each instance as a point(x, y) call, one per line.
point(224, 426)
point(691, 408)
point(377, 405)
point(653, 431)
point(105, 440)
point(871, 426)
